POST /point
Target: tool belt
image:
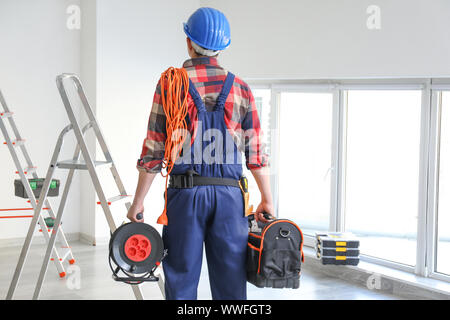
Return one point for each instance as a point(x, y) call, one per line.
point(192, 179)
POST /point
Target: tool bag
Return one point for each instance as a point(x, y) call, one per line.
point(274, 253)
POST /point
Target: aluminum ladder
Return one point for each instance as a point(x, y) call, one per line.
point(17, 144)
point(89, 164)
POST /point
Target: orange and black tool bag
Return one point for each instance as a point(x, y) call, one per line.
point(274, 253)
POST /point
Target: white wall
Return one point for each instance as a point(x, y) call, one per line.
point(301, 39)
point(137, 41)
point(119, 53)
point(123, 47)
point(35, 47)
point(88, 74)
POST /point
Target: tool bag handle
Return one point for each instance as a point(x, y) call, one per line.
point(266, 215)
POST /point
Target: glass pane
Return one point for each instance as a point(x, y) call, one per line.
point(383, 138)
point(262, 101)
point(305, 159)
point(443, 244)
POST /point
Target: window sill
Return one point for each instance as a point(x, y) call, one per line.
point(376, 277)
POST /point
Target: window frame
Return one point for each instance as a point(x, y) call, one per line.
point(431, 88)
point(275, 110)
point(435, 92)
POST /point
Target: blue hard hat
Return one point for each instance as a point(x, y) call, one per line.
point(209, 28)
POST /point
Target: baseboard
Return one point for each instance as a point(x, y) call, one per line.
point(18, 242)
point(87, 239)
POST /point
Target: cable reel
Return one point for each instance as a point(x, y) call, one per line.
point(135, 251)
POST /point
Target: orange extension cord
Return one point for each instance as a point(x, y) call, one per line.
point(172, 82)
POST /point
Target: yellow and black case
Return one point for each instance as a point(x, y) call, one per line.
point(337, 239)
point(337, 248)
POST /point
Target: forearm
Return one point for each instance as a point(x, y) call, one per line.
point(262, 179)
point(144, 182)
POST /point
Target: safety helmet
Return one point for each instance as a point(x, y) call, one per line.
point(209, 28)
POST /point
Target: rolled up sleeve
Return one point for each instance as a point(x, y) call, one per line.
point(152, 153)
point(255, 154)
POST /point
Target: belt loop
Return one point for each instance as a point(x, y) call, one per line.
point(190, 178)
point(189, 182)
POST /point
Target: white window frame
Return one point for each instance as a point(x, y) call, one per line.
point(435, 91)
point(428, 165)
point(275, 114)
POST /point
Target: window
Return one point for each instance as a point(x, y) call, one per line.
point(443, 218)
point(262, 101)
point(305, 139)
point(368, 156)
point(382, 172)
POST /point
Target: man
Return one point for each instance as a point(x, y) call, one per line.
point(204, 202)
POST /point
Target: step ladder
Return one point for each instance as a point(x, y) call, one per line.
point(15, 146)
point(86, 163)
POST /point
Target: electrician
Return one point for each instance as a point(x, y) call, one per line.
point(205, 205)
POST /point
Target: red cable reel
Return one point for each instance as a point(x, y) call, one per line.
point(135, 251)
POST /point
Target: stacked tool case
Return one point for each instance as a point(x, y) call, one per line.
point(337, 248)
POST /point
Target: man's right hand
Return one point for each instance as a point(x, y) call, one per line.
point(134, 210)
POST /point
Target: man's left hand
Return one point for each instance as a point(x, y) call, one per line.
point(263, 207)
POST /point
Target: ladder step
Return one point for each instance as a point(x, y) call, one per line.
point(65, 253)
point(115, 199)
point(28, 170)
point(80, 165)
point(17, 142)
point(6, 114)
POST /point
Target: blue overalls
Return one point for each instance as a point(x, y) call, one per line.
point(212, 214)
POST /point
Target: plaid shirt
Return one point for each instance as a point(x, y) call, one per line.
point(241, 116)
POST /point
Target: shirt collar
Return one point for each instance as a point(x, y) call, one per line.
point(199, 61)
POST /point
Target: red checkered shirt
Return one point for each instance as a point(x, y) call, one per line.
point(241, 116)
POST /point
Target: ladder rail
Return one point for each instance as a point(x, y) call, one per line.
point(90, 114)
point(89, 164)
point(81, 143)
point(56, 226)
point(30, 194)
point(16, 131)
point(40, 220)
point(34, 220)
point(19, 168)
point(26, 156)
point(45, 188)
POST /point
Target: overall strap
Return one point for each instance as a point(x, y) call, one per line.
point(196, 97)
point(228, 83)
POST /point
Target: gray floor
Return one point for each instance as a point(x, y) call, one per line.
point(96, 283)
